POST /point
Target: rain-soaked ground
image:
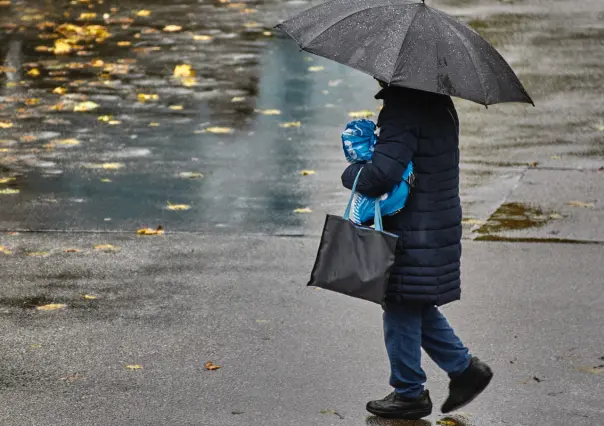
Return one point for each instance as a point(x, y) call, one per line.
point(100, 131)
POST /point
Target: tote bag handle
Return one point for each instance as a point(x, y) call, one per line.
point(377, 216)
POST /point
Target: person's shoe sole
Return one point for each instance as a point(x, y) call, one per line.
point(478, 390)
point(403, 415)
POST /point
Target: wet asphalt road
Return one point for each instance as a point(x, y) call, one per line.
point(226, 282)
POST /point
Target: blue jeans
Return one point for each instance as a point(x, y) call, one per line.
point(407, 329)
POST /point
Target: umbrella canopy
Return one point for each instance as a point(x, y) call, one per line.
point(409, 44)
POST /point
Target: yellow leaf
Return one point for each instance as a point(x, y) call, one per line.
point(361, 114)
point(89, 297)
point(112, 166)
point(178, 207)
point(105, 180)
point(172, 28)
point(184, 70)
point(189, 81)
point(134, 367)
point(62, 47)
point(9, 191)
point(191, 175)
point(66, 142)
point(34, 72)
point(97, 63)
point(143, 13)
point(28, 138)
point(85, 106)
point(251, 24)
point(150, 231)
point(105, 118)
point(7, 180)
point(176, 107)
point(114, 122)
point(303, 210)
point(290, 124)
point(446, 422)
point(143, 97)
point(154, 124)
point(106, 247)
point(237, 99)
point(307, 172)
point(219, 130)
point(124, 43)
point(267, 33)
point(211, 366)
point(202, 37)
point(87, 16)
point(581, 204)
point(32, 101)
point(59, 91)
point(316, 68)
point(269, 111)
point(35, 346)
point(51, 307)
point(556, 157)
point(5, 250)
point(37, 254)
point(6, 124)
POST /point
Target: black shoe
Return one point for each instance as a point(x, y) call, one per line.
point(395, 406)
point(468, 385)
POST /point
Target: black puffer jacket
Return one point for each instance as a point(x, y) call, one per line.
point(423, 127)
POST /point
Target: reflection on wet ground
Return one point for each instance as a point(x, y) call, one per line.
point(110, 115)
point(456, 420)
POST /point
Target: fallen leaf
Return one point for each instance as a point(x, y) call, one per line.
point(190, 175)
point(35, 346)
point(316, 68)
point(556, 157)
point(143, 13)
point(34, 72)
point(178, 207)
point(89, 297)
point(219, 130)
point(114, 122)
point(5, 250)
point(267, 33)
point(124, 43)
point(592, 370)
point(37, 254)
point(28, 138)
point(361, 114)
point(150, 231)
point(106, 247)
point(112, 166)
point(85, 106)
point(134, 367)
point(556, 216)
point(290, 124)
point(268, 111)
point(51, 307)
point(7, 180)
point(9, 191)
point(261, 321)
point(183, 70)
point(66, 142)
point(143, 97)
point(251, 24)
point(533, 164)
point(470, 221)
point(6, 124)
point(581, 204)
point(154, 124)
point(211, 366)
point(303, 210)
point(446, 422)
point(61, 47)
point(176, 107)
point(105, 180)
point(72, 250)
point(307, 172)
point(237, 99)
point(172, 28)
point(202, 37)
point(59, 90)
point(32, 101)
point(105, 118)
point(87, 16)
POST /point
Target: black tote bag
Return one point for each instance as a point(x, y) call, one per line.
point(353, 259)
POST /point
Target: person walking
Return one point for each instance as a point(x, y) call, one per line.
point(423, 127)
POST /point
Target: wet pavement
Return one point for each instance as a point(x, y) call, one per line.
point(196, 116)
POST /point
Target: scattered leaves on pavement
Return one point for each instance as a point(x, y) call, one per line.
point(361, 114)
point(51, 307)
point(178, 207)
point(291, 124)
point(134, 367)
point(303, 210)
point(150, 231)
point(210, 366)
point(581, 204)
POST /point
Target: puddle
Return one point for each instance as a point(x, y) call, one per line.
point(516, 217)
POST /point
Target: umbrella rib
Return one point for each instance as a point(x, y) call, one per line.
point(340, 21)
point(462, 39)
point(403, 44)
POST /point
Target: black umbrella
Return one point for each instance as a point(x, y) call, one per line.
point(408, 44)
